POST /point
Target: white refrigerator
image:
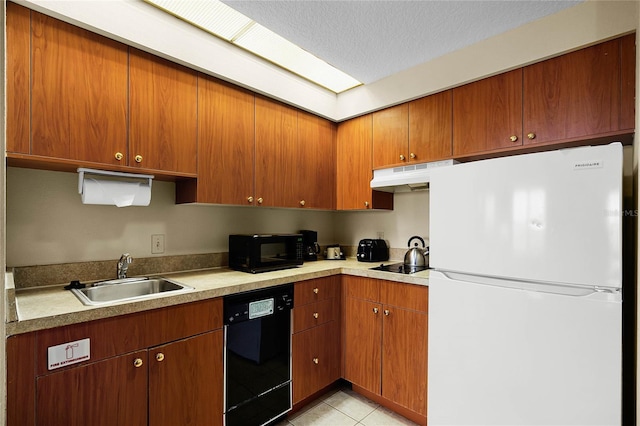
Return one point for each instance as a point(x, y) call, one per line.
point(525, 299)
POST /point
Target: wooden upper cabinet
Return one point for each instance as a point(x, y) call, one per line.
point(163, 112)
point(276, 165)
point(391, 136)
point(354, 167)
point(18, 78)
point(573, 96)
point(315, 162)
point(487, 114)
point(226, 116)
point(79, 93)
point(430, 127)
point(628, 82)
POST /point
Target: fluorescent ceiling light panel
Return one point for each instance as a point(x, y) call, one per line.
point(222, 21)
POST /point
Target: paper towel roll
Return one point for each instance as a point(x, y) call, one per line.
point(111, 192)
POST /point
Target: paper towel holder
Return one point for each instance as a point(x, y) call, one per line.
point(146, 179)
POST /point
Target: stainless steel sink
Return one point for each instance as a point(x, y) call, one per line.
point(126, 289)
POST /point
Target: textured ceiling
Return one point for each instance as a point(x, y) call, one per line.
point(371, 40)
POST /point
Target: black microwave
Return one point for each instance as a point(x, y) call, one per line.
point(262, 253)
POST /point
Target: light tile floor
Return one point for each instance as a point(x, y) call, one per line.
point(344, 408)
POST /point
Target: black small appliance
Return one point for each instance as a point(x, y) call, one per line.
point(370, 250)
point(310, 247)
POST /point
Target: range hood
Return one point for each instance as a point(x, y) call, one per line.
point(406, 178)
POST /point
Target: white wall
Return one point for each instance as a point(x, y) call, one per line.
point(47, 223)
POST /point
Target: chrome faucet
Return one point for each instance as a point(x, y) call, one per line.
point(123, 265)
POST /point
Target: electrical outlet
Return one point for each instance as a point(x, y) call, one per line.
point(157, 244)
point(381, 235)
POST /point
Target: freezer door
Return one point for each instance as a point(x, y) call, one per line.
point(505, 356)
point(553, 217)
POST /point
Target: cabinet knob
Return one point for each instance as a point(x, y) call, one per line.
point(513, 138)
point(531, 136)
point(249, 199)
point(387, 312)
point(366, 204)
point(159, 357)
point(316, 315)
point(413, 156)
point(119, 156)
point(375, 310)
point(260, 200)
point(402, 157)
point(316, 290)
point(316, 361)
point(138, 158)
point(302, 203)
point(137, 362)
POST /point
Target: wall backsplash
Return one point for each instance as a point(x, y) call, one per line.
point(48, 224)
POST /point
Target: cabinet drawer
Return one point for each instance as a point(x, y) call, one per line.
point(315, 290)
point(133, 332)
point(314, 314)
point(409, 296)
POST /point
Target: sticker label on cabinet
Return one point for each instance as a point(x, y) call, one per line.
point(69, 353)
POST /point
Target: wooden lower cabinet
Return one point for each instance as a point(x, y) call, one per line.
point(385, 335)
point(159, 368)
point(105, 393)
point(316, 341)
point(185, 381)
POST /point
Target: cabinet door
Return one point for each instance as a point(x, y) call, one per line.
point(404, 354)
point(18, 78)
point(226, 143)
point(78, 93)
point(186, 381)
point(354, 171)
point(391, 136)
point(316, 165)
point(574, 95)
point(276, 164)
point(316, 359)
point(163, 104)
point(430, 128)
point(105, 393)
point(487, 114)
point(363, 340)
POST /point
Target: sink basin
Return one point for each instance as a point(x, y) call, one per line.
point(127, 289)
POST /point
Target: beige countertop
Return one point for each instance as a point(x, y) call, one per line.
point(48, 307)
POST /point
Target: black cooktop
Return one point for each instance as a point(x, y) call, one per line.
point(400, 268)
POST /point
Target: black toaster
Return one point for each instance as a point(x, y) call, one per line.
point(370, 250)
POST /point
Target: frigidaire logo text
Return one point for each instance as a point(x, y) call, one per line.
point(587, 165)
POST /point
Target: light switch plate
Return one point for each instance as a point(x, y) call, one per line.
point(157, 244)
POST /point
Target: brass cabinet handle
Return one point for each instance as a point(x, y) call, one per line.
point(366, 204)
point(316, 290)
point(138, 158)
point(316, 315)
point(387, 312)
point(159, 357)
point(260, 200)
point(375, 310)
point(302, 203)
point(513, 138)
point(119, 156)
point(402, 157)
point(316, 361)
point(137, 362)
point(531, 135)
point(413, 156)
point(250, 199)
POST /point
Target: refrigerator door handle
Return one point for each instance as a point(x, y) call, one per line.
point(592, 292)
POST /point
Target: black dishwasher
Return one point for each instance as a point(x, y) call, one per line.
point(257, 356)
